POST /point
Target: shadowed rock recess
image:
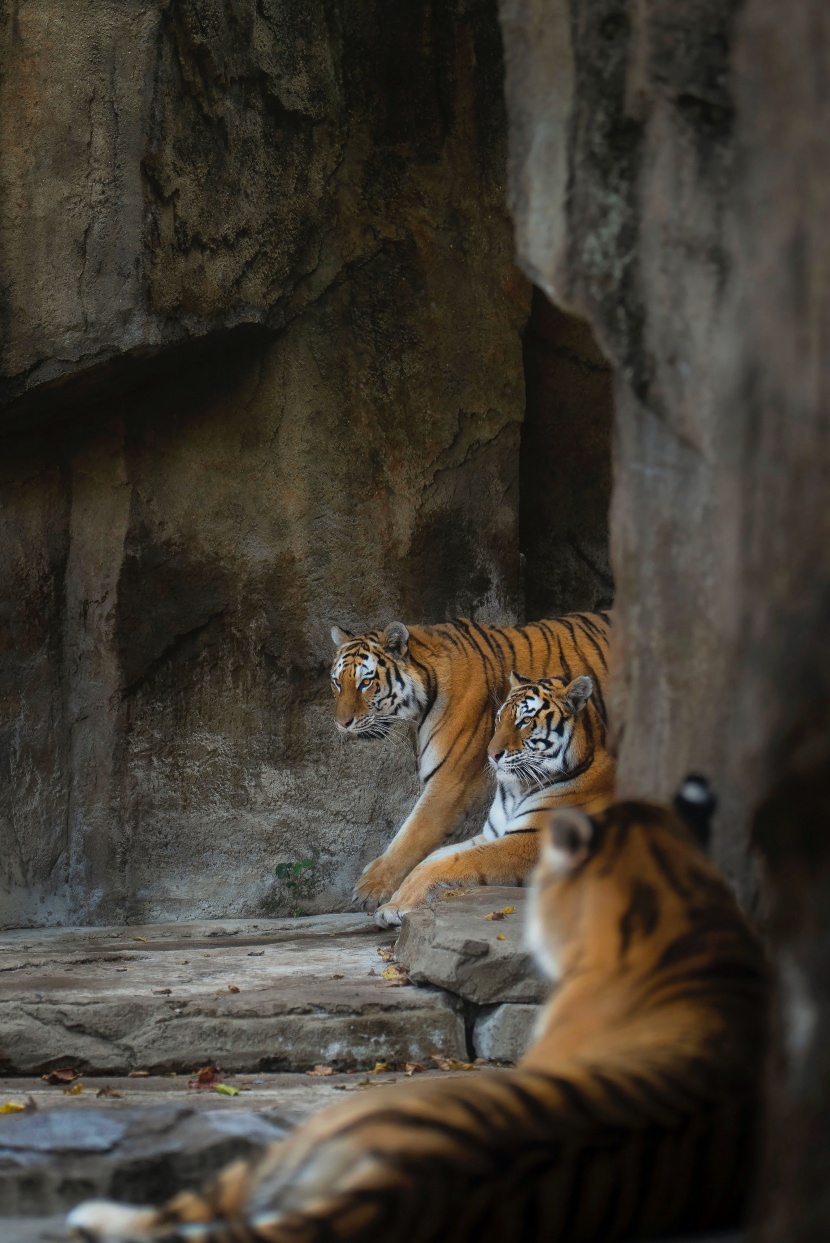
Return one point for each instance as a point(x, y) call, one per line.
point(261, 372)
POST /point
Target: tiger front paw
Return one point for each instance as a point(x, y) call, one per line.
point(378, 881)
point(414, 892)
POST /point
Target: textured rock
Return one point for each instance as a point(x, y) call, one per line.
point(452, 945)
point(504, 1033)
point(277, 995)
point(260, 279)
point(653, 175)
point(51, 1160)
point(669, 181)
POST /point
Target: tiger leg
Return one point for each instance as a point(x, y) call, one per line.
point(221, 1201)
point(447, 797)
point(508, 860)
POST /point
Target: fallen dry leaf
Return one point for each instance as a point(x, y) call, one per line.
point(75, 1090)
point(380, 1068)
point(500, 936)
point(395, 973)
point(17, 1107)
point(162, 992)
point(225, 1089)
point(413, 1068)
point(495, 915)
point(205, 1077)
point(371, 971)
point(319, 1072)
point(451, 1063)
point(454, 893)
point(508, 910)
point(144, 939)
point(338, 976)
point(106, 1090)
point(232, 988)
point(385, 954)
point(139, 1074)
point(65, 1074)
point(257, 953)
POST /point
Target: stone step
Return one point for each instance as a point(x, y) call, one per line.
point(252, 995)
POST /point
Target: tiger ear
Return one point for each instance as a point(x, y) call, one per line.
point(567, 841)
point(340, 636)
point(396, 639)
point(578, 694)
point(517, 680)
point(695, 803)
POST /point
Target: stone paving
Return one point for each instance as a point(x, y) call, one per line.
point(252, 995)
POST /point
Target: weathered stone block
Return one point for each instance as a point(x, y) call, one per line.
point(452, 944)
point(503, 1033)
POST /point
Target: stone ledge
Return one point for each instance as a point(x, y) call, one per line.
point(252, 995)
point(452, 945)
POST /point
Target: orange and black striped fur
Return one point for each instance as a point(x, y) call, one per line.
point(448, 680)
point(548, 751)
point(632, 1115)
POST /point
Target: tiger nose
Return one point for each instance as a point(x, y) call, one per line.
point(344, 724)
point(495, 756)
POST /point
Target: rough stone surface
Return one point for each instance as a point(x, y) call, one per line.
point(452, 945)
point(655, 156)
point(272, 995)
point(669, 181)
point(258, 274)
point(503, 1033)
point(149, 1138)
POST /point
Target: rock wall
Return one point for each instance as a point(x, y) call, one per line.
point(669, 181)
point(262, 371)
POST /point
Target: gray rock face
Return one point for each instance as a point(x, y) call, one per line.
point(51, 1160)
point(669, 181)
point(452, 945)
point(260, 280)
point(275, 995)
point(504, 1033)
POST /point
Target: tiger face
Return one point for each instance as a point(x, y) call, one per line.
point(371, 681)
point(535, 740)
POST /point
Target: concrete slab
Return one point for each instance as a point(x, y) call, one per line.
point(253, 995)
point(453, 945)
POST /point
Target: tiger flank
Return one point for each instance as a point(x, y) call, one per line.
point(447, 681)
point(632, 1115)
point(548, 751)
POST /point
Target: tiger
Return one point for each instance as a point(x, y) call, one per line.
point(548, 750)
point(633, 1113)
point(447, 680)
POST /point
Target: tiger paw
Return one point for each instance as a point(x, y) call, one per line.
point(414, 892)
point(377, 883)
point(389, 915)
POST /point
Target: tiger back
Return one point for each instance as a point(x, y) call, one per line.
point(446, 681)
point(632, 1115)
point(548, 751)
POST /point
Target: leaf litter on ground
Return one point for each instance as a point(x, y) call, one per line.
point(64, 1074)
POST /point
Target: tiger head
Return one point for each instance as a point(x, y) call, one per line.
point(610, 888)
point(372, 681)
point(538, 736)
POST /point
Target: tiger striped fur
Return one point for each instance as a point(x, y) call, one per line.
point(548, 751)
point(632, 1115)
point(448, 680)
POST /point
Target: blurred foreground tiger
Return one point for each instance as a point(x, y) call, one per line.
point(544, 756)
point(448, 680)
point(633, 1114)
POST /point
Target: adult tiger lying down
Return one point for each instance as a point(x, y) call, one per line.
point(448, 681)
point(544, 755)
point(633, 1113)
